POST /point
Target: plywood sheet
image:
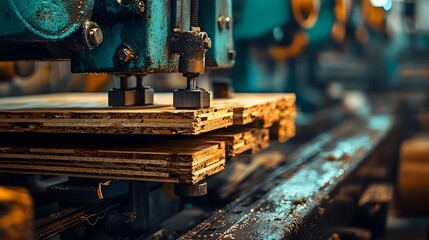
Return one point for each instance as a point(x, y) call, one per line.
point(169, 161)
point(88, 113)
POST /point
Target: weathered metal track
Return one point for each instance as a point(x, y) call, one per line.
point(290, 200)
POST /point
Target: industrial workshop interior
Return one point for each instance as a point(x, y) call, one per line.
point(214, 119)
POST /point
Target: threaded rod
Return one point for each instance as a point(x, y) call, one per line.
point(194, 13)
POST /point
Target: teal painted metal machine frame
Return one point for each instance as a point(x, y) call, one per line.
point(147, 35)
point(42, 20)
point(52, 29)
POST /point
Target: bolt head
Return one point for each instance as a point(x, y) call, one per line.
point(232, 55)
point(96, 36)
point(141, 6)
point(221, 22)
point(124, 55)
point(228, 21)
point(91, 36)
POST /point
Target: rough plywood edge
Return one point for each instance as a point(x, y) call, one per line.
point(29, 160)
point(128, 120)
point(176, 155)
point(190, 129)
point(39, 161)
point(190, 180)
point(117, 174)
point(143, 168)
point(283, 132)
point(240, 139)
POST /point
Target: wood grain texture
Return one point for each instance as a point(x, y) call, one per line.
point(169, 161)
point(87, 113)
point(240, 139)
point(283, 130)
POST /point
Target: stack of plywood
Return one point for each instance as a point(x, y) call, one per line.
point(229, 127)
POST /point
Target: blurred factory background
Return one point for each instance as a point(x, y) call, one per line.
point(349, 62)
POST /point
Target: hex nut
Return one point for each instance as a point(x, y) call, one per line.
point(221, 22)
point(121, 97)
point(124, 55)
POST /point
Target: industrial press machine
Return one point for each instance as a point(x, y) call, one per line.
point(334, 180)
point(124, 38)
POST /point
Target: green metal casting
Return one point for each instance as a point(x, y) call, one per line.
point(217, 20)
point(42, 20)
point(146, 36)
point(137, 34)
point(257, 18)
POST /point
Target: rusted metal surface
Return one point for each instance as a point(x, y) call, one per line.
point(42, 20)
point(288, 202)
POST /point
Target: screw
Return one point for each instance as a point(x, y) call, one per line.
point(228, 21)
point(95, 36)
point(141, 5)
point(232, 55)
point(220, 22)
point(124, 55)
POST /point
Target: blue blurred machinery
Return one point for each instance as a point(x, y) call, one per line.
point(288, 28)
point(289, 41)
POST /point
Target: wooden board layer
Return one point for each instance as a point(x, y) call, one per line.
point(87, 113)
point(249, 108)
point(169, 161)
point(283, 130)
point(240, 139)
